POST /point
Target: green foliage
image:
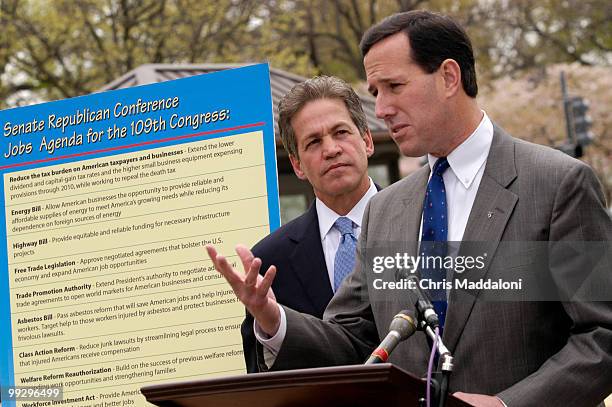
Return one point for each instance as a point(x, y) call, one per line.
point(516, 35)
point(60, 48)
point(64, 48)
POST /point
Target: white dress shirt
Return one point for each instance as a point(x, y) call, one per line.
point(330, 236)
point(461, 182)
point(462, 179)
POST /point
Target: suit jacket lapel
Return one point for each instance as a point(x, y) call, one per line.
point(488, 218)
point(308, 261)
point(403, 224)
point(414, 195)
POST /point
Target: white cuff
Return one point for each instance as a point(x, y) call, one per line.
point(271, 345)
point(502, 401)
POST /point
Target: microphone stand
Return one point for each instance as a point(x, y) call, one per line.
point(439, 381)
point(427, 318)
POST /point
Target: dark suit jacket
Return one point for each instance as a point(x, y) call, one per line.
point(529, 353)
point(302, 281)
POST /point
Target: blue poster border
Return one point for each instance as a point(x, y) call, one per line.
point(244, 92)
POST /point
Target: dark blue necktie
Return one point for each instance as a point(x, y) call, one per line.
point(345, 256)
point(434, 237)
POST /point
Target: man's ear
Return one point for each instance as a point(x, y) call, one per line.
point(297, 168)
point(451, 74)
point(369, 143)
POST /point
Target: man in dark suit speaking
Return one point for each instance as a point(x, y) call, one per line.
point(481, 185)
point(325, 131)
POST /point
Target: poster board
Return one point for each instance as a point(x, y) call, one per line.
point(108, 201)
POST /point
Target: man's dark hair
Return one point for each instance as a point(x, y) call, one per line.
point(433, 38)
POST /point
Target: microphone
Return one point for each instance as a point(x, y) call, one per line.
point(401, 328)
point(423, 304)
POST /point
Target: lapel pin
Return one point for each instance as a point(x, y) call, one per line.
point(489, 215)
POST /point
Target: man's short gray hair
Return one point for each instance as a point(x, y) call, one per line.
point(319, 87)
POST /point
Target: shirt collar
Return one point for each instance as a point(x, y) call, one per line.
point(469, 156)
point(327, 217)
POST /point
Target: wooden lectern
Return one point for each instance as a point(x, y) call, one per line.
point(342, 386)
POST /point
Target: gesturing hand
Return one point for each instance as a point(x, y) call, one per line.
point(251, 289)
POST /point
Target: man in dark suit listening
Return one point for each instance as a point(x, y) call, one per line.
point(480, 186)
point(324, 130)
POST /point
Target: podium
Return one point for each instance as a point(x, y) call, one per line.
point(342, 386)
